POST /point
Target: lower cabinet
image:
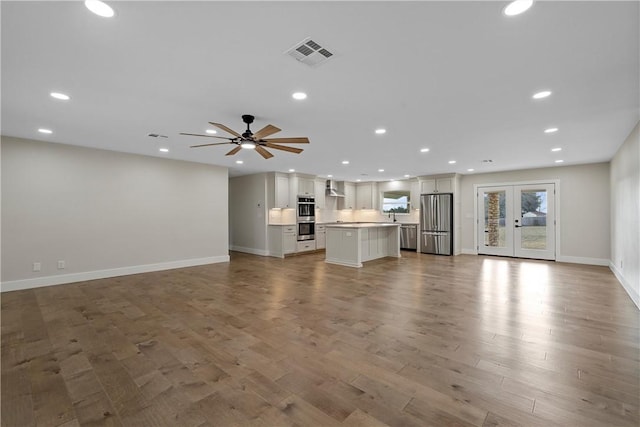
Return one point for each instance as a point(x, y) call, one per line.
point(321, 237)
point(282, 240)
point(306, 245)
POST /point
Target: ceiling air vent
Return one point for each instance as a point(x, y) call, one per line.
point(309, 52)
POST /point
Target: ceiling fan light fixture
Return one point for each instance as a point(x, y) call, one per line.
point(248, 145)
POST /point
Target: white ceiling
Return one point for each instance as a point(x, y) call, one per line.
point(456, 77)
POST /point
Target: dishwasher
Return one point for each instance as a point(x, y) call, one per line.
point(409, 236)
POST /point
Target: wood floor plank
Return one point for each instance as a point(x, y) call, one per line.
point(416, 341)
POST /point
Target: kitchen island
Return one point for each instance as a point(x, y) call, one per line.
point(351, 244)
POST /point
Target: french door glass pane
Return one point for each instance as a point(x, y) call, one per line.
point(494, 219)
point(534, 219)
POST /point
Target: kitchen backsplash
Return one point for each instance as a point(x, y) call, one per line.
point(288, 216)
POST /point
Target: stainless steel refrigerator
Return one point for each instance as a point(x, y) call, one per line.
point(436, 224)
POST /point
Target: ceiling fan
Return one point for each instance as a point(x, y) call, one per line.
point(250, 140)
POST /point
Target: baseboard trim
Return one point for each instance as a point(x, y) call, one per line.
point(625, 284)
point(251, 251)
point(583, 260)
point(39, 282)
point(469, 251)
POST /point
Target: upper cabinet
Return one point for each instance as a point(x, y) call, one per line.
point(367, 195)
point(349, 199)
point(443, 184)
point(320, 185)
point(278, 191)
point(306, 187)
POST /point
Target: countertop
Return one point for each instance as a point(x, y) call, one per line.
point(362, 224)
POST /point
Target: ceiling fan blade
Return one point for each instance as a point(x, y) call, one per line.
point(264, 153)
point(208, 136)
point(285, 148)
point(208, 145)
point(226, 129)
point(302, 140)
point(266, 131)
point(234, 151)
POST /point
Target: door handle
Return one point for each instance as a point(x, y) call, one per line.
point(518, 226)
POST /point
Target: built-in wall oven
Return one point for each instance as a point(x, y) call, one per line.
point(306, 209)
point(306, 230)
point(306, 218)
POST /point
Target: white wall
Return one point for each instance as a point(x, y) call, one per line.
point(248, 214)
point(105, 213)
point(625, 214)
point(584, 208)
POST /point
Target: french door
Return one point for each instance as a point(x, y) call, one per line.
point(517, 221)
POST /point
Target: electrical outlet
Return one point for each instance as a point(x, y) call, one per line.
point(61, 265)
point(37, 266)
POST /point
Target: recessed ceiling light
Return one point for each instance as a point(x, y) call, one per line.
point(470, 170)
point(47, 131)
point(211, 131)
point(556, 149)
point(551, 130)
point(329, 176)
point(559, 161)
point(380, 170)
point(61, 96)
point(358, 180)
point(248, 145)
point(164, 150)
point(407, 176)
point(239, 162)
point(292, 170)
point(99, 8)
point(517, 7)
point(345, 162)
point(381, 131)
point(299, 96)
point(451, 162)
point(424, 150)
point(542, 94)
point(392, 180)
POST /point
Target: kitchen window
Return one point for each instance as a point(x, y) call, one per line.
point(396, 202)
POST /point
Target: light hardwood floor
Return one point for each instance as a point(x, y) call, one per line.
point(416, 341)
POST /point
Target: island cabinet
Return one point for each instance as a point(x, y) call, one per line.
point(353, 244)
point(282, 240)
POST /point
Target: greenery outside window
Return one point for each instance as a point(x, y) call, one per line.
point(396, 202)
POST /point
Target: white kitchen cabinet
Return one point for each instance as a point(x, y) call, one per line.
point(436, 185)
point(321, 236)
point(320, 185)
point(366, 195)
point(282, 240)
point(415, 195)
point(306, 245)
point(349, 199)
point(281, 192)
point(306, 187)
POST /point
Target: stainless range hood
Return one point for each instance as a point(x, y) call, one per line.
point(332, 189)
